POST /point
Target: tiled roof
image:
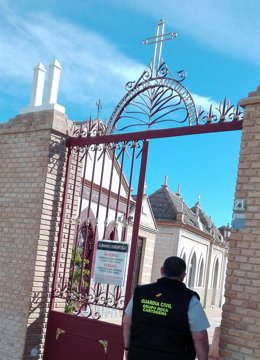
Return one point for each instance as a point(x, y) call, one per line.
point(164, 208)
point(166, 204)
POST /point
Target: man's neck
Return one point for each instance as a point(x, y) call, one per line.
point(173, 278)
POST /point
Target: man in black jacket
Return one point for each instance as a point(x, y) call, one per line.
point(165, 320)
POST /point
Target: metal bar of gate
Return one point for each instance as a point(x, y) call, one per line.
point(138, 209)
point(110, 188)
point(101, 183)
point(120, 181)
point(77, 223)
point(161, 133)
point(61, 226)
point(86, 241)
point(129, 192)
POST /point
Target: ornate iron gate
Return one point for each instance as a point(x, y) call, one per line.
point(102, 168)
point(97, 205)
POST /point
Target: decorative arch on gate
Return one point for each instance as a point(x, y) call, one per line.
point(152, 100)
point(158, 100)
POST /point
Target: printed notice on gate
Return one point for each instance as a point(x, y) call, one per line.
point(110, 262)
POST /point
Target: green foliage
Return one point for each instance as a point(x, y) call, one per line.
point(79, 265)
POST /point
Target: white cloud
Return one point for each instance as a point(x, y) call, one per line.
point(91, 65)
point(93, 68)
point(204, 102)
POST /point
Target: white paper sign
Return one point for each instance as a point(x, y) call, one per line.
point(110, 262)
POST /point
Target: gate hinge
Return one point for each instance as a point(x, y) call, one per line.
point(59, 332)
point(105, 344)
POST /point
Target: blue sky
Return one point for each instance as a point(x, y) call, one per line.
point(99, 46)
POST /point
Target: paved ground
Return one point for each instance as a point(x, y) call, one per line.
point(214, 316)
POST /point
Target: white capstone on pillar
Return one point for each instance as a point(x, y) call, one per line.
point(53, 83)
point(52, 87)
point(37, 85)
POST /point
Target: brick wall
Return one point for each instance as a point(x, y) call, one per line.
point(32, 155)
point(240, 326)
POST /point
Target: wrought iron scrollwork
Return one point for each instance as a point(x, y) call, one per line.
point(157, 99)
point(153, 99)
point(88, 302)
point(91, 127)
point(160, 98)
point(224, 112)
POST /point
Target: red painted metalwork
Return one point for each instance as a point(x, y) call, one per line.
point(138, 209)
point(77, 223)
point(110, 187)
point(61, 226)
point(86, 301)
point(120, 178)
point(160, 133)
point(158, 99)
point(69, 337)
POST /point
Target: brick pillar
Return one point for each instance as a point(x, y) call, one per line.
point(240, 327)
point(32, 153)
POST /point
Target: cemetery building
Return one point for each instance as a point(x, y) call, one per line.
point(192, 235)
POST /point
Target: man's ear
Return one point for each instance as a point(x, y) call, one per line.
point(162, 273)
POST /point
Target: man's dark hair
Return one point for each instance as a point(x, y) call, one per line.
point(174, 266)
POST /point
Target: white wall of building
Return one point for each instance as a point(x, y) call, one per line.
point(147, 232)
point(193, 248)
point(166, 245)
point(107, 172)
point(206, 262)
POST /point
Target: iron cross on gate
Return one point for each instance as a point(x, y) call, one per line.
point(159, 38)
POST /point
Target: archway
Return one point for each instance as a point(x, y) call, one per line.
point(215, 281)
point(201, 273)
point(192, 271)
point(183, 256)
